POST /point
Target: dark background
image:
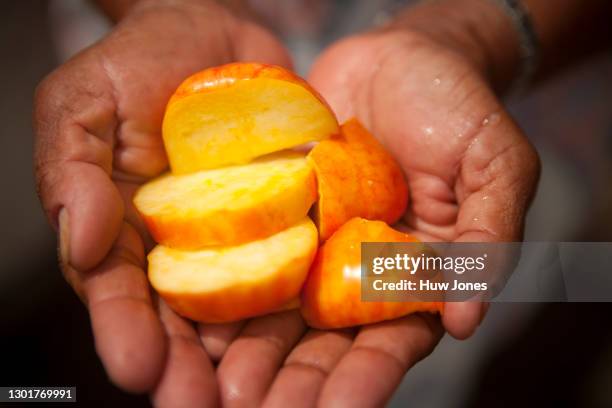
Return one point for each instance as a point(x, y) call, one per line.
point(552, 355)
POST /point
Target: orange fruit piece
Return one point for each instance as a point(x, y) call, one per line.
point(331, 297)
point(229, 283)
point(356, 178)
point(233, 113)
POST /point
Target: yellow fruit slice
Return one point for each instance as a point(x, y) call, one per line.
point(230, 205)
point(237, 123)
point(225, 284)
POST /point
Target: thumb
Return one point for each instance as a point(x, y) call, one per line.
point(341, 76)
point(496, 182)
point(73, 159)
point(254, 43)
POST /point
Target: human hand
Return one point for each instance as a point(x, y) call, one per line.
point(98, 120)
point(429, 99)
point(471, 175)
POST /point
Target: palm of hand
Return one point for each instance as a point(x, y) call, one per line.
point(98, 119)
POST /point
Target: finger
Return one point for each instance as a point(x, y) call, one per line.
point(300, 380)
point(188, 378)
point(461, 319)
point(496, 183)
point(253, 359)
point(216, 338)
point(73, 165)
point(332, 82)
point(433, 209)
point(418, 226)
point(498, 176)
point(369, 373)
point(139, 151)
point(268, 49)
point(432, 199)
point(128, 335)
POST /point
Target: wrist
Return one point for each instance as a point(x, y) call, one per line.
point(478, 30)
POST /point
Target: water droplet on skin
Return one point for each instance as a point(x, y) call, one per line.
point(437, 81)
point(475, 218)
point(428, 130)
point(485, 197)
point(474, 141)
point(491, 120)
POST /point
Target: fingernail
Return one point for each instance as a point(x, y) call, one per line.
point(64, 237)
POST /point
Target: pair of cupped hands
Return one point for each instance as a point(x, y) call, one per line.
point(470, 170)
